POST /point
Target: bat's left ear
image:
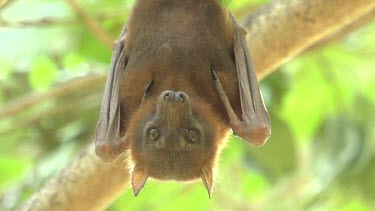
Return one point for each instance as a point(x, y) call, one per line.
point(147, 92)
point(139, 179)
point(207, 178)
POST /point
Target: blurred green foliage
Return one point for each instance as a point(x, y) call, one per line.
point(321, 155)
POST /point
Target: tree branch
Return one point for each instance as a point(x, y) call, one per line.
point(4, 3)
point(54, 22)
point(360, 22)
point(91, 24)
point(277, 32)
point(77, 187)
point(284, 28)
point(26, 102)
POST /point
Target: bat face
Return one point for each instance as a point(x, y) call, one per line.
point(174, 140)
point(197, 48)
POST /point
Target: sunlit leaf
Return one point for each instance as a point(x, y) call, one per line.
point(12, 169)
point(310, 100)
point(72, 59)
point(226, 3)
point(4, 70)
point(254, 184)
point(355, 205)
point(235, 5)
point(42, 74)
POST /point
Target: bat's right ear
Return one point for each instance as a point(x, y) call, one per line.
point(139, 179)
point(109, 145)
point(207, 178)
point(147, 92)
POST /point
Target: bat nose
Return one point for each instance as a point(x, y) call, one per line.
point(170, 96)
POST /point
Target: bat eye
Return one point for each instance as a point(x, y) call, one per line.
point(191, 135)
point(153, 134)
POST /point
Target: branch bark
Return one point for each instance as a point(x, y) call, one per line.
point(4, 3)
point(29, 100)
point(277, 32)
point(87, 183)
point(284, 28)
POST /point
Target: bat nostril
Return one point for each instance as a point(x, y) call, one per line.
point(180, 97)
point(168, 96)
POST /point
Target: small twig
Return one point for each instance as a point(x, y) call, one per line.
point(68, 107)
point(52, 22)
point(91, 24)
point(23, 103)
point(41, 22)
point(4, 3)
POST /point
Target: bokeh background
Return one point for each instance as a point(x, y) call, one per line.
point(54, 56)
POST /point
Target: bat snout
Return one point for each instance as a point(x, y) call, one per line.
point(174, 107)
point(173, 97)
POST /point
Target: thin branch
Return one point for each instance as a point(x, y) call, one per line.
point(26, 102)
point(5, 3)
point(91, 24)
point(53, 22)
point(68, 106)
point(41, 22)
point(281, 30)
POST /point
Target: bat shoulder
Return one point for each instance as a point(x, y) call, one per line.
point(165, 26)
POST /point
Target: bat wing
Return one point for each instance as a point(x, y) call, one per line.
point(108, 144)
point(255, 125)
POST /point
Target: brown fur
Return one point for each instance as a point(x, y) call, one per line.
point(175, 164)
point(176, 43)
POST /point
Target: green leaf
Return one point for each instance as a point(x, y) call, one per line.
point(43, 72)
point(236, 5)
point(309, 101)
point(12, 169)
point(254, 184)
point(226, 3)
point(4, 70)
point(356, 205)
point(72, 59)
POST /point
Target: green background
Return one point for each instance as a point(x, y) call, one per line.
point(321, 155)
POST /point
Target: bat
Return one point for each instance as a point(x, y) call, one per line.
point(180, 78)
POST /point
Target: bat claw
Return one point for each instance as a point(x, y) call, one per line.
point(213, 74)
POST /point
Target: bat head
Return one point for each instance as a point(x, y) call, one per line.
point(174, 138)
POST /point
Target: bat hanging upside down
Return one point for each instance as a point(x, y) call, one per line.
point(181, 77)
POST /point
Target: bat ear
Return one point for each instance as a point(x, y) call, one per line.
point(139, 178)
point(147, 92)
point(207, 178)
